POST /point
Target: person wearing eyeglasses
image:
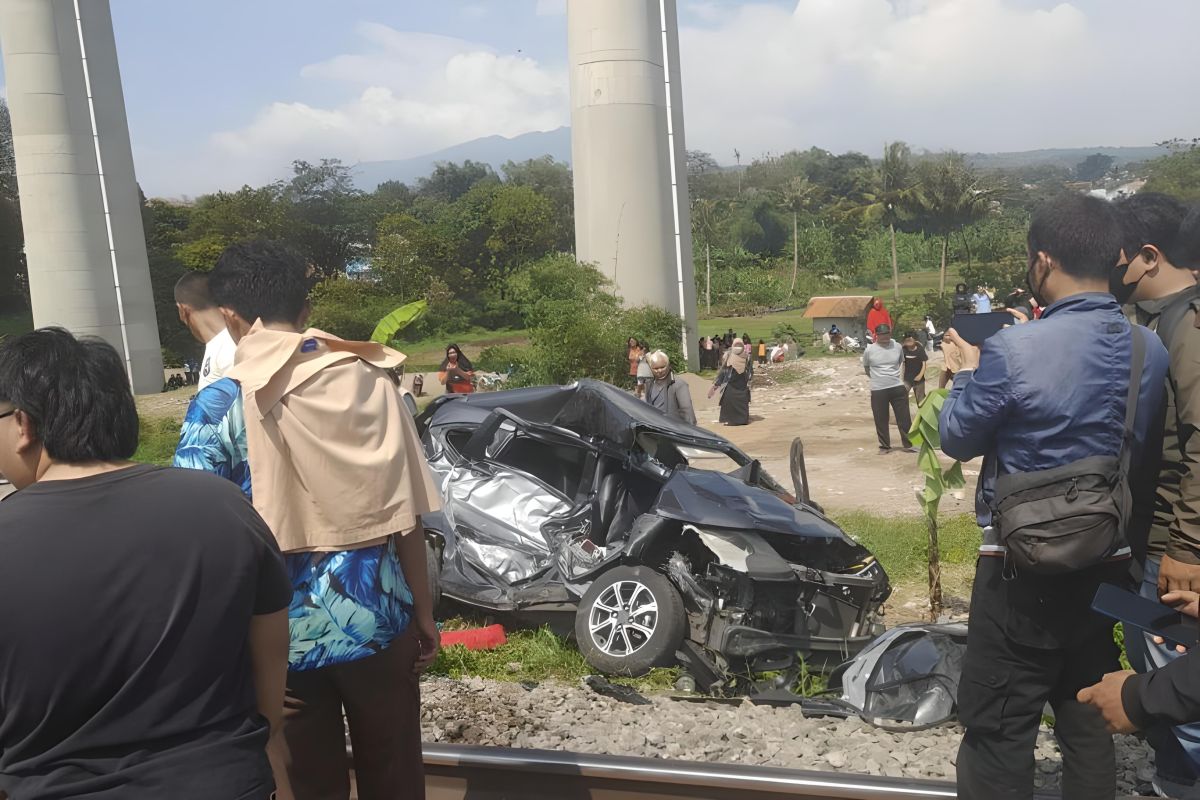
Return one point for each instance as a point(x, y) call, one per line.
point(143, 650)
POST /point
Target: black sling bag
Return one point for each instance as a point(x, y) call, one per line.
point(1071, 517)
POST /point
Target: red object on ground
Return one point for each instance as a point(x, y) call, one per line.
point(487, 638)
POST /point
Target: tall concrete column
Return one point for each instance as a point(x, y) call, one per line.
point(629, 158)
point(79, 198)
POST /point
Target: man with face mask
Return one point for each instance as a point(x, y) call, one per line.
point(1027, 404)
point(1166, 295)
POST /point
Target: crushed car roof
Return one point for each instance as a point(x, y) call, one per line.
point(589, 407)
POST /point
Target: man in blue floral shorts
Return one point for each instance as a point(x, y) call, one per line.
point(314, 431)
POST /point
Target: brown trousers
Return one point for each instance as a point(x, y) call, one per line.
point(381, 698)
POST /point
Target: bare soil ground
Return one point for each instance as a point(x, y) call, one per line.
point(829, 408)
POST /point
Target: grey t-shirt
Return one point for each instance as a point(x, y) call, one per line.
point(883, 365)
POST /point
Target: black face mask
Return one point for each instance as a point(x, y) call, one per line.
point(1117, 286)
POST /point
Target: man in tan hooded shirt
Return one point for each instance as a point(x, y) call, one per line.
point(315, 432)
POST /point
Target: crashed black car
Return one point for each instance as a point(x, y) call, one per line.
point(667, 542)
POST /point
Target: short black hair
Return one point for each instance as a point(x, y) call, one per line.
point(76, 391)
point(1151, 218)
point(260, 280)
point(882, 328)
point(1081, 232)
point(192, 290)
point(1187, 246)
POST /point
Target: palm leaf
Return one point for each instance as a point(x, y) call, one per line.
point(398, 320)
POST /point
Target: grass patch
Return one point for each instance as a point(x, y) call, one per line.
point(533, 655)
point(157, 440)
point(426, 355)
point(759, 327)
point(900, 542)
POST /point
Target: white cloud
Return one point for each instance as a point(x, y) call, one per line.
point(968, 74)
point(407, 94)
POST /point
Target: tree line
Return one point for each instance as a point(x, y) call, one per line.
point(467, 238)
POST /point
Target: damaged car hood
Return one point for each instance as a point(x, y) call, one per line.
point(716, 500)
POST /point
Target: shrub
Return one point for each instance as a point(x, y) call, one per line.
point(578, 327)
point(350, 308)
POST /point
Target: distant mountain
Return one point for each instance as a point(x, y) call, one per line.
point(1067, 158)
point(494, 150)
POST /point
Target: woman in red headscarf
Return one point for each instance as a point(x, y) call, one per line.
point(877, 315)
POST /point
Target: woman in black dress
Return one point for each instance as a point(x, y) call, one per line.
point(736, 373)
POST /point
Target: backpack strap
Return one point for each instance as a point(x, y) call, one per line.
point(1136, 365)
point(1172, 315)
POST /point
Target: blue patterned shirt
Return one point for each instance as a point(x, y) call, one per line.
point(345, 605)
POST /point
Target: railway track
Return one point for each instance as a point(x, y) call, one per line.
point(457, 772)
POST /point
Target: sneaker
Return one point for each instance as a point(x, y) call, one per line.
point(883, 451)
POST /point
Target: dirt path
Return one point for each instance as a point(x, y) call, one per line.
point(831, 412)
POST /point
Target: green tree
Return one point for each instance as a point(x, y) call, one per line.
point(1094, 167)
point(521, 228)
point(1176, 174)
point(450, 181)
point(797, 197)
point(893, 192)
point(708, 217)
point(221, 219)
point(949, 196)
point(552, 180)
point(326, 215)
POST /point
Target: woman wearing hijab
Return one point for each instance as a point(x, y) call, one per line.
point(735, 376)
point(456, 372)
point(877, 315)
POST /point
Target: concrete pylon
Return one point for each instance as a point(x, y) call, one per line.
point(632, 218)
point(84, 241)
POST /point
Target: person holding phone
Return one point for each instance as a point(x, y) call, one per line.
point(1155, 701)
point(1028, 404)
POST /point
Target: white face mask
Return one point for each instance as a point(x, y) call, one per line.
point(738, 349)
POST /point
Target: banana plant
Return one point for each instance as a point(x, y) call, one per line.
point(398, 320)
point(925, 436)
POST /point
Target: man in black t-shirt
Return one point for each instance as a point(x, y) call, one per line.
point(915, 362)
point(143, 648)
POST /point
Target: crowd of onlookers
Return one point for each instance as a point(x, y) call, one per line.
point(227, 654)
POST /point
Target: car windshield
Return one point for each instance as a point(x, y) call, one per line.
point(672, 453)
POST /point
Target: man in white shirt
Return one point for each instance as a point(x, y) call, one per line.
point(202, 317)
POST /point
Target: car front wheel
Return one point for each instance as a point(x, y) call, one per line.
point(629, 621)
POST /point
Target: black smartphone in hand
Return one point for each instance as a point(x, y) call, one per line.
point(976, 328)
point(1150, 616)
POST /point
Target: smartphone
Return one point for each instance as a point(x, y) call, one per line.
point(1148, 615)
point(975, 328)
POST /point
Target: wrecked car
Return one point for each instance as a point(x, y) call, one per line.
point(668, 543)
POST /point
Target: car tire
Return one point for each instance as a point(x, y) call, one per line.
point(630, 620)
point(433, 565)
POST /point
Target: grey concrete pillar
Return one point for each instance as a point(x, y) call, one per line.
point(79, 199)
point(629, 158)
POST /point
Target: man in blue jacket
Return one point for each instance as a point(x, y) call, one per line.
point(1039, 396)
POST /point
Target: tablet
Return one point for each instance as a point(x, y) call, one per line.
point(976, 328)
point(1150, 616)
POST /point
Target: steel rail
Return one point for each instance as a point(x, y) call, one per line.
point(460, 772)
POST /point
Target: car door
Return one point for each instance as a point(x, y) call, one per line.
point(511, 482)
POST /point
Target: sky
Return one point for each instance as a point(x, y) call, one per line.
point(221, 93)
